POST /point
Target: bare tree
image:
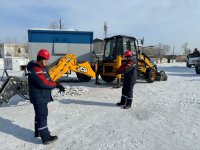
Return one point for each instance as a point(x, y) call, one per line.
point(12, 40)
point(185, 48)
point(162, 50)
point(26, 47)
point(56, 25)
point(148, 50)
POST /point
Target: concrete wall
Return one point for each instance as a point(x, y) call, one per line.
point(14, 63)
point(181, 58)
point(1, 63)
point(164, 60)
point(81, 51)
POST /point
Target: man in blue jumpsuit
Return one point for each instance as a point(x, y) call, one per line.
point(40, 87)
point(129, 70)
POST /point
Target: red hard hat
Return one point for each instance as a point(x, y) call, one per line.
point(44, 53)
point(127, 53)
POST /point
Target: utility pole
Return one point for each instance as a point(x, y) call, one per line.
point(105, 29)
point(60, 22)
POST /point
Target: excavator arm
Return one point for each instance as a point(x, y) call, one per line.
point(14, 85)
point(69, 63)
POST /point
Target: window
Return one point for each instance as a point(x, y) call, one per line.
point(110, 51)
point(128, 44)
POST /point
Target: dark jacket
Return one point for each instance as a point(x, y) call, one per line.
point(40, 85)
point(129, 69)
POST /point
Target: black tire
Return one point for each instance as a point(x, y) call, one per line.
point(150, 75)
point(108, 78)
point(197, 70)
point(189, 66)
point(83, 78)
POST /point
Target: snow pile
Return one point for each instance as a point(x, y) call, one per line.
point(70, 91)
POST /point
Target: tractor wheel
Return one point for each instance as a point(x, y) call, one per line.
point(150, 75)
point(189, 66)
point(108, 78)
point(83, 78)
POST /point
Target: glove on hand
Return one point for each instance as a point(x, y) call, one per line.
point(61, 88)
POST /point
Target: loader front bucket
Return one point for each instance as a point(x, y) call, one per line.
point(11, 87)
point(161, 76)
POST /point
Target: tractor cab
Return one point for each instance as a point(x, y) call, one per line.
point(113, 56)
point(117, 45)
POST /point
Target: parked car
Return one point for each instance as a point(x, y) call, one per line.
point(192, 58)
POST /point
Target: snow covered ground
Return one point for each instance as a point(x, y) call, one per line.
point(164, 116)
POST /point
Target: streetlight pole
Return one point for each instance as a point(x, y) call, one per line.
point(60, 22)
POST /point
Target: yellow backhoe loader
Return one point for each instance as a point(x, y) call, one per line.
point(14, 85)
point(114, 49)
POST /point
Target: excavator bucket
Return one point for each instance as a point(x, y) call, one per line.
point(161, 76)
point(11, 87)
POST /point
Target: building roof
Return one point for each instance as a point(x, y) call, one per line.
point(97, 40)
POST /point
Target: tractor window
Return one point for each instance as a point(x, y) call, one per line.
point(129, 44)
point(110, 51)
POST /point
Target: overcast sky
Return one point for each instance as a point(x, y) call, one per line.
point(172, 22)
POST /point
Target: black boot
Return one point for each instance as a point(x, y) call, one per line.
point(128, 104)
point(122, 102)
point(51, 140)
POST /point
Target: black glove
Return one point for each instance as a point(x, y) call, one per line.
point(61, 88)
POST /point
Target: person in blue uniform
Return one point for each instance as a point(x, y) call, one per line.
point(129, 70)
point(40, 87)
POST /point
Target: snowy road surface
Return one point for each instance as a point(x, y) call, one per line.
point(164, 116)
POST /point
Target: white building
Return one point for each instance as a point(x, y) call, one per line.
point(12, 50)
point(12, 56)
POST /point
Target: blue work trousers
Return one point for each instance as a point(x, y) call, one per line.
point(41, 113)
